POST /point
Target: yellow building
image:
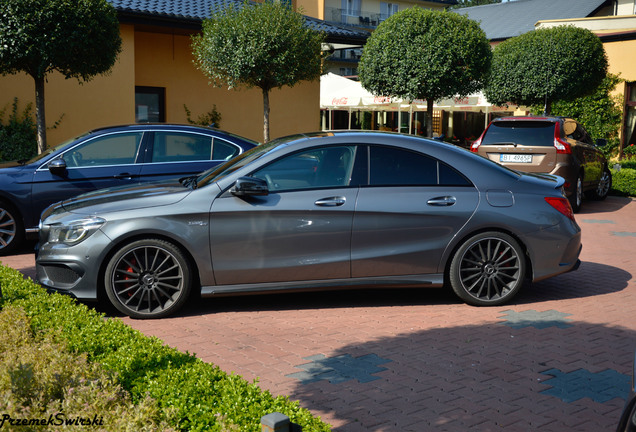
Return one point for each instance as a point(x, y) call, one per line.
point(614, 21)
point(362, 15)
point(154, 77)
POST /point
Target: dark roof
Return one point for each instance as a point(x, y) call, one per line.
point(512, 18)
point(188, 14)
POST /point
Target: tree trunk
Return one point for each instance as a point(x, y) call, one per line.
point(39, 113)
point(429, 117)
point(547, 108)
point(265, 116)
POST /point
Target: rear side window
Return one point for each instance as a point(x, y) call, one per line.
point(181, 147)
point(223, 150)
point(398, 167)
point(524, 133)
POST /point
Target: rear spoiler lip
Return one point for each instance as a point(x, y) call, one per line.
point(560, 181)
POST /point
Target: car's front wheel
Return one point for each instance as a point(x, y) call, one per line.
point(488, 269)
point(148, 278)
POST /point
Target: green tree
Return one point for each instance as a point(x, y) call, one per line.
point(545, 65)
point(77, 38)
point(600, 112)
point(470, 3)
point(265, 45)
point(423, 54)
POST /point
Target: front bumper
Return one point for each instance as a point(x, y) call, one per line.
point(72, 270)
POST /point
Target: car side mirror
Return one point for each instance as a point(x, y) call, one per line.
point(600, 142)
point(249, 186)
point(57, 166)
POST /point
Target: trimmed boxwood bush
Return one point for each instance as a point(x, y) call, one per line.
point(190, 394)
point(40, 379)
point(624, 182)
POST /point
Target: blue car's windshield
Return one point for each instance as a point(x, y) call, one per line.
point(51, 150)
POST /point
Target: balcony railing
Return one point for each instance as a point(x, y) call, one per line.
point(361, 19)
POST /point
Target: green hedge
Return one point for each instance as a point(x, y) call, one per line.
point(190, 394)
point(624, 182)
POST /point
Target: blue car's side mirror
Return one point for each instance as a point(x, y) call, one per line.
point(57, 166)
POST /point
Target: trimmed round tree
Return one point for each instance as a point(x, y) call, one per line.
point(424, 54)
point(545, 65)
point(266, 45)
point(77, 38)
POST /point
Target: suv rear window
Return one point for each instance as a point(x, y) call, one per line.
point(524, 133)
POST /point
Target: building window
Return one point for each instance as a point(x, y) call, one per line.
point(150, 104)
point(387, 9)
point(350, 8)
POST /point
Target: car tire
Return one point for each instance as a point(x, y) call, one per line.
point(577, 197)
point(11, 229)
point(488, 269)
point(604, 186)
point(148, 278)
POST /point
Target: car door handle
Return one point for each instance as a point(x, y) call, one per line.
point(331, 201)
point(442, 201)
point(123, 176)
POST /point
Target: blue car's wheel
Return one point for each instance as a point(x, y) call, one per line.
point(11, 230)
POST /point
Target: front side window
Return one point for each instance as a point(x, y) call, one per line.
point(113, 149)
point(327, 167)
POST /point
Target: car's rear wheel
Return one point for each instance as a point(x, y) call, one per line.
point(148, 278)
point(11, 229)
point(604, 186)
point(488, 269)
point(577, 197)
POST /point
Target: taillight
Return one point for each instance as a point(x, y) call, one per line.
point(475, 145)
point(562, 147)
point(562, 205)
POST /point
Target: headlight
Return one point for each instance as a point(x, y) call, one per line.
point(73, 232)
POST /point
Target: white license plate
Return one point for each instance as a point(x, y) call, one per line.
point(515, 158)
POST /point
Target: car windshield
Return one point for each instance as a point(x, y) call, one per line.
point(215, 174)
point(524, 133)
point(52, 150)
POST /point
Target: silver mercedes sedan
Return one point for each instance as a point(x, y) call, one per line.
point(311, 212)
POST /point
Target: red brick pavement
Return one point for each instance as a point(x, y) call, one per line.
point(449, 366)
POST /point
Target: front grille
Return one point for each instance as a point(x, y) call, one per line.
point(61, 275)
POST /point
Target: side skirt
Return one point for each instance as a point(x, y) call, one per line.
point(411, 281)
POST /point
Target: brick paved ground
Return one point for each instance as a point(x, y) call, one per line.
point(557, 359)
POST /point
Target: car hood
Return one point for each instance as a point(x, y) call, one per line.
point(125, 198)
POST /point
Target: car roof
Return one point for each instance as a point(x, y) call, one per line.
point(553, 119)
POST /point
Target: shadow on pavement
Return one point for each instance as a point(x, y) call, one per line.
point(484, 377)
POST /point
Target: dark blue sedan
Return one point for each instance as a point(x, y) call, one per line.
point(107, 157)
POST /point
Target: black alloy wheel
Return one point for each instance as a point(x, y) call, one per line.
point(148, 278)
point(488, 269)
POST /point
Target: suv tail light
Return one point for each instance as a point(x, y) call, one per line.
point(475, 145)
point(562, 147)
point(562, 205)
